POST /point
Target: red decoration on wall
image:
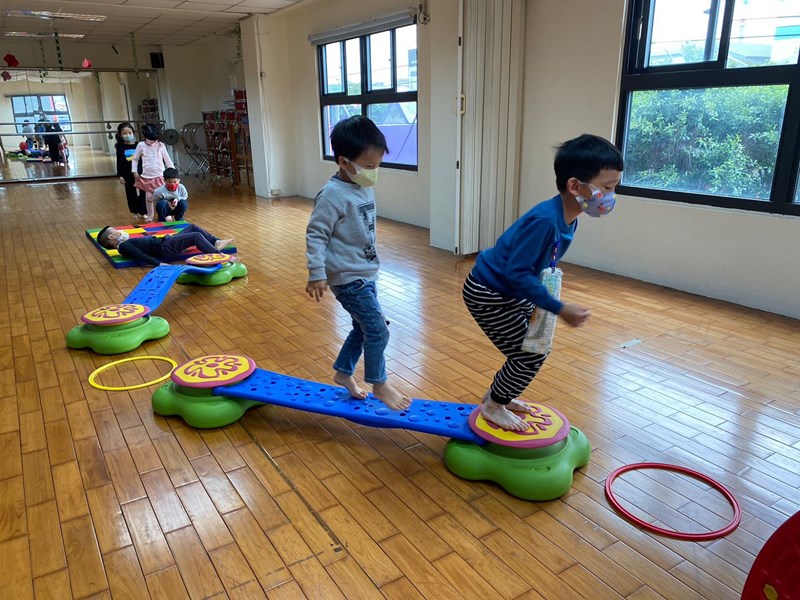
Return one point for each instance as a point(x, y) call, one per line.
point(11, 60)
point(86, 64)
point(5, 75)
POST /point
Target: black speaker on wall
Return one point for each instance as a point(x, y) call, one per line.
point(157, 60)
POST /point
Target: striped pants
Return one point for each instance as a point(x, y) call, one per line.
point(505, 321)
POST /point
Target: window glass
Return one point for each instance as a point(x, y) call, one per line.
point(398, 123)
point(680, 32)
point(33, 108)
point(720, 141)
point(764, 33)
point(380, 60)
point(378, 78)
point(332, 54)
point(406, 60)
point(797, 191)
point(353, 54)
point(60, 103)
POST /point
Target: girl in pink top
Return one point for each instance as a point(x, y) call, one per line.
point(154, 160)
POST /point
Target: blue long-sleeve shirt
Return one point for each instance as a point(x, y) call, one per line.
point(513, 265)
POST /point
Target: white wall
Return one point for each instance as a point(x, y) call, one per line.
point(198, 77)
point(274, 123)
point(572, 87)
point(113, 105)
point(288, 62)
point(443, 48)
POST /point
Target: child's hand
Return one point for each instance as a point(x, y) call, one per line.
point(316, 289)
point(574, 315)
point(136, 176)
point(173, 203)
point(122, 180)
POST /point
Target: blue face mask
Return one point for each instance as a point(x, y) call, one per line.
point(598, 204)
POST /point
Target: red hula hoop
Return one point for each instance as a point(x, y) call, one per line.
point(694, 537)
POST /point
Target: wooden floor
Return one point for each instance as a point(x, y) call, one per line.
point(101, 498)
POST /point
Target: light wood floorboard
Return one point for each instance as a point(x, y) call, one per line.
point(99, 497)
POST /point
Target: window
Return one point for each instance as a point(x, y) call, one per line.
point(33, 108)
point(710, 103)
point(374, 74)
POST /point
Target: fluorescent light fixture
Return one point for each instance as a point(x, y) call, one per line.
point(46, 14)
point(30, 34)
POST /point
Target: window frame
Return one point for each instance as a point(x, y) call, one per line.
point(367, 97)
point(710, 74)
point(48, 113)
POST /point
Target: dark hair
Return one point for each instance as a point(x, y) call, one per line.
point(584, 157)
point(171, 173)
point(120, 127)
point(102, 237)
point(354, 136)
point(151, 132)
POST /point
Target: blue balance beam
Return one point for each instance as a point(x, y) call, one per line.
point(449, 419)
point(155, 286)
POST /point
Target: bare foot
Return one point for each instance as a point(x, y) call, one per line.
point(222, 244)
point(390, 396)
point(520, 407)
point(502, 417)
point(349, 382)
point(515, 405)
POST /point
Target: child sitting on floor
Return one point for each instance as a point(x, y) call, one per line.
point(171, 199)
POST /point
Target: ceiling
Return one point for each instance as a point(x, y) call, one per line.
point(154, 22)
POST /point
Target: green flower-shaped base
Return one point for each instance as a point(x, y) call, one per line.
point(199, 407)
point(220, 276)
point(116, 339)
point(532, 474)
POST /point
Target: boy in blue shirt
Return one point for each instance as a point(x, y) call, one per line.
point(504, 287)
point(340, 246)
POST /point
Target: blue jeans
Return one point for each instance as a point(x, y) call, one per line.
point(370, 332)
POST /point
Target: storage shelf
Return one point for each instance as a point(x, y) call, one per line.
point(228, 141)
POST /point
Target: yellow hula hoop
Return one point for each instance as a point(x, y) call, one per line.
point(107, 388)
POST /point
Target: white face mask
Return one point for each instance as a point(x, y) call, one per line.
point(363, 177)
point(122, 236)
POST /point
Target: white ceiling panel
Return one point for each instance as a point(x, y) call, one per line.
point(175, 22)
point(206, 7)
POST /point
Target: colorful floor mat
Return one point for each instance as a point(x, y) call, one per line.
point(144, 229)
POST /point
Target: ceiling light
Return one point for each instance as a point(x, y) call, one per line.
point(31, 34)
point(46, 14)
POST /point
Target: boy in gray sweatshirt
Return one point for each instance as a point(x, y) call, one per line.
point(340, 246)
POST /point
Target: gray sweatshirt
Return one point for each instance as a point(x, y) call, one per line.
point(340, 237)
